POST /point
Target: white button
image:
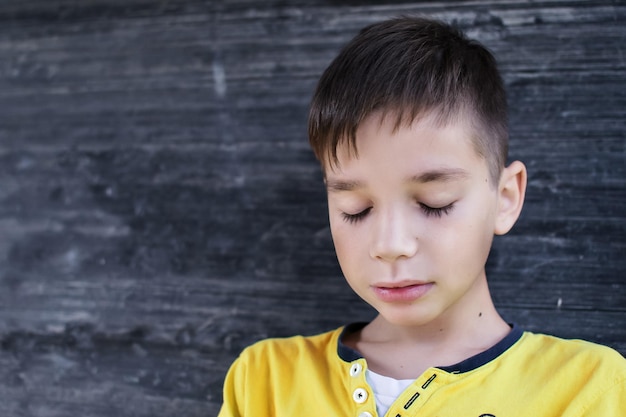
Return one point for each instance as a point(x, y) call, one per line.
point(355, 369)
point(365, 414)
point(359, 395)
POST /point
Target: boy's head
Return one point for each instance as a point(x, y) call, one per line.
point(410, 68)
point(409, 123)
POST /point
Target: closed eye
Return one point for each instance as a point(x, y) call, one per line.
point(436, 211)
point(354, 218)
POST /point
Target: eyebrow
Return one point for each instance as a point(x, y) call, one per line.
point(441, 175)
point(437, 175)
point(343, 185)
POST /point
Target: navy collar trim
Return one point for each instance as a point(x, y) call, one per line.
point(348, 354)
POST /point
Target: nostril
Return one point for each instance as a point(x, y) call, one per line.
point(392, 249)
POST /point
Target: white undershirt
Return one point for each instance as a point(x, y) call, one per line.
point(386, 389)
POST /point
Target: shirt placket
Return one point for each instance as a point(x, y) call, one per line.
point(415, 396)
point(362, 395)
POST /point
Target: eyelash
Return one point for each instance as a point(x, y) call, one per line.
point(438, 212)
point(355, 218)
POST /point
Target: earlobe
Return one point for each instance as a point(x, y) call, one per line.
point(511, 190)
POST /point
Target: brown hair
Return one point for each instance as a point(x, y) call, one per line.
point(410, 67)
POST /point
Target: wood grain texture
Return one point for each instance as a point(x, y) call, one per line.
point(160, 208)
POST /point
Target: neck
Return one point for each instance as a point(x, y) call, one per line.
point(478, 326)
point(467, 328)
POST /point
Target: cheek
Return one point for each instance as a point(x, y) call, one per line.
point(343, 239)
point(349, 241)
point(339, 236)
point(466, 236)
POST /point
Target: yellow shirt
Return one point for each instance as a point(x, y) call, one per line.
point(525, 375)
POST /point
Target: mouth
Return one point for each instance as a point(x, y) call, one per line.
point(402, 291)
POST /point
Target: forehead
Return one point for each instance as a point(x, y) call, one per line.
point(424, 141)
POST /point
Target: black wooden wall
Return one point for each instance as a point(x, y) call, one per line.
point(160, 208)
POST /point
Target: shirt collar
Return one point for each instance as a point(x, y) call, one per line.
point(348, 354)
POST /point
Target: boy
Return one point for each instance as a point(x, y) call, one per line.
point(409, 123)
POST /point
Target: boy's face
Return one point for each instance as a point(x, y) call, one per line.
point(412, 219)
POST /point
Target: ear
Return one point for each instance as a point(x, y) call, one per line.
point(511, 191)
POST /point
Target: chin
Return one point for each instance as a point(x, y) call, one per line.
point(403, 318)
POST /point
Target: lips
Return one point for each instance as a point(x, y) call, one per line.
point(401, 292)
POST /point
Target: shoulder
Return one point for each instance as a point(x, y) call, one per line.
point(282, 351)
point(583, 356)
point(579, 378)
point(571, 347)
point(283, 376)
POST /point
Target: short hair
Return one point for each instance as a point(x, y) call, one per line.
point(411, 67)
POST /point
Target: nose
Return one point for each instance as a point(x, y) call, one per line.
point(393, 236)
